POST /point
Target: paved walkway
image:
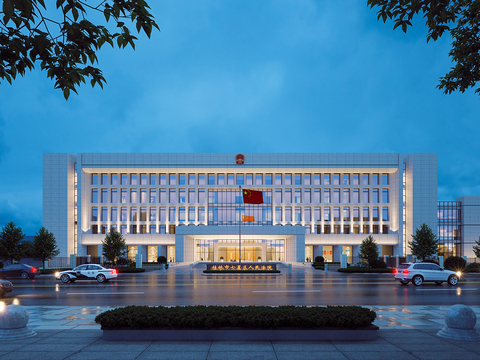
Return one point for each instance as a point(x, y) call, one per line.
point(405, 333)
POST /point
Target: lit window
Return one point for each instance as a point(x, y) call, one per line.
point(133, 213)
point(336, 213)
point(346, 214)
point(133, 195)
point(375, 214)
point(326, 213)
point(143, 213)
point(366, 216)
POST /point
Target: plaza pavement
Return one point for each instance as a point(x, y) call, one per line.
point(405, 333)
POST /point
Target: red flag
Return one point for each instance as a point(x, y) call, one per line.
point(252, 197)
point(246, 218)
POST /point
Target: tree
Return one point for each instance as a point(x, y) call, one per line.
point(457, 17)
point(114, 245)
point(11, 243)
point(424, 243)
point(476, 248)
point(368, 250)
point(44, 246)
point(63, 39)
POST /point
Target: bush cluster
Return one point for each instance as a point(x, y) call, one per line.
point(358, 269)
point(130, 269)
point(250, 317)
point(378, 264)
point(319, 259)
point(455, 263)
point(473, 267)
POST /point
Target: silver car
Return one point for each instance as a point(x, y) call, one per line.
point(87, 272)
point(418, 273)
point(5, 287)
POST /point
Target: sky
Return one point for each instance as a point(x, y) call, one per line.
point(248, 76)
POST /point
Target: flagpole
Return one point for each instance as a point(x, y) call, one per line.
point(240, 229)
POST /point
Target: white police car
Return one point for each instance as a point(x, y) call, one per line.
point(87, 272)
point(418, 273)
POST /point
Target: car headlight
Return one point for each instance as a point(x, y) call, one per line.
point(459, 273)
point(56, 274)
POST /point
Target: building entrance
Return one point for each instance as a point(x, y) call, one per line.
point(228, 250)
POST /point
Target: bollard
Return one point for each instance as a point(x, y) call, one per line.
point(326, 268)
point(460, 320)
point(13, 323)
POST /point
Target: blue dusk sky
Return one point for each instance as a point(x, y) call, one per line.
point(248, 76)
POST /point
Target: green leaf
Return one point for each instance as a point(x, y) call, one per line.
point(66, 93)
point(8, 9)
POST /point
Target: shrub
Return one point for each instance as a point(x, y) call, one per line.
point(319, 259)
point(162, 259)
point(378, 264)
point(473, 267)
point(121, 261)
point(1, 265)
point(130, 269)
point(250, 317)
point(455, 262)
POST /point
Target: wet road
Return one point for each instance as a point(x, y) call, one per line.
point(304, 286)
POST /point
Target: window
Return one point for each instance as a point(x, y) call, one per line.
point(249, 179)
point(307, 196)
point(365, 196)
point(346, 179)
point(94, 229)
point(124, 196)
point(356, 196)
point(298, 179)
point(230, 179)
point(278, 179)
point(211, 179)
point(162, 179)
point(105, 179)
point(191, 213)
point(258, 179)
point(201, 214)
point(336, 229)
point(153, 179)
point(298, 214)
point(385, 198)
point(162, 196)
point(278, 213)
point(365, 214)
point(356, 179)
point(288, 213)
point(133, 195)
point(336, 179)
point(201, 196)
point(191, 179)
point(288, 196)
point(326, 196)
point(375, 216)
point(172, 179)
point(133, 213)
point(181, 196)
point(162, 213)
point(307, 179)
point(298, 196)
point(365, 179)
point(114, 179)
point(317, 196)
point(326, 179)
point(385, 214)
point(346, 214)
point(123, 229)
point(336, 213)
point(374, 179)
point(133, 179)
point(143, 196)
point(133, 229)
point(384, 229)
point(268, 179)
point(114, 196)
point(278, 196)
point(94, 196)
point(181, 213)
point(123, 214)
point(326, 214)
point(162, 229)
point(153, 229)
point(346, 196)
point(191, 196)
point(356, 214)
point(171, 214)
point(201, 179)
point(316, 179)
point(181, 179)
point(124, 179)
point(317, 215)
point(356, 229)
point(326, 229)
point(221, 179)
point(153, 196)
point(375, 229)
point(104, 215)
point(308, 229)
point(94, 213)
point(143, 179)
point(153, 214)
point(336, 196)
point(171, 229)
point(143, 213)
point(239, 179)
point(113, 215)
point(172, 196)
point(288, 179)
point(346, 229)
point(375, 196)
point(385, 179)
point(366, 229)
point(94, 179)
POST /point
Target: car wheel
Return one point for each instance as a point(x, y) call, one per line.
point(403, 282)
point(24, 275)
point(101, 278)
point(439, 282)
point(417, 280)
point(65, 278)
point(453, 280)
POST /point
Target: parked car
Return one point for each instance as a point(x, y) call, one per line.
point(87, 272)
point(5, 287)
point(19, 270)
point(417, 273)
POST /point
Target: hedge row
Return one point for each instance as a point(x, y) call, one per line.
point(241, 271)
point(130, 269)
point(249, 317)
point(357, 269)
